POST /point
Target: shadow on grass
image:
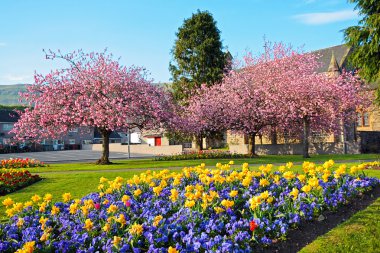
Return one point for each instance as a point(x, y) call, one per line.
point(308, 231)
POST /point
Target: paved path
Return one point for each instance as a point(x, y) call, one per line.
point(71, 156)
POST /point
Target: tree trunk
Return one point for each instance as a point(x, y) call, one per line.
point(199, 142)
point(251, 145)
point(273, 135)
point(306, 133)
point(106, 147)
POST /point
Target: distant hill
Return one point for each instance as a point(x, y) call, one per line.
point(9, 94)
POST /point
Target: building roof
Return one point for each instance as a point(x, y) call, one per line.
point(8, 116)
point(333, 58)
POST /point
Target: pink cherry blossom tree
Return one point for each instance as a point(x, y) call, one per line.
point(278, 89)
point(93, 91)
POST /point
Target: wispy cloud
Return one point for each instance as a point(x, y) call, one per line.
point(2, 44)
point(320, 18)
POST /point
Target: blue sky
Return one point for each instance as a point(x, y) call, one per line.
point(142, 32)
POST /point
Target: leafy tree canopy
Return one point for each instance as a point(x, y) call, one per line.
point(197, 56)
point(365, 39)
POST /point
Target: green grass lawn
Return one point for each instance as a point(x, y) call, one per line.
point(358, 234)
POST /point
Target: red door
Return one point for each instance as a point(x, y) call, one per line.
point(157, 141)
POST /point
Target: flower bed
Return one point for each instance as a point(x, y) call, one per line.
point(371, 165)
point(203, 154)
point(196, 210)
point(14, 179)
point(16, 163)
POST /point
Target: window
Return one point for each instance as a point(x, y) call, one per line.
point(363, 119)
point(71, 141)
point(7, 127)
point(57, 142)
point(87, 142)
point(74, 130)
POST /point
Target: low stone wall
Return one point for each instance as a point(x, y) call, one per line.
point(296, 149)
point(144, 149)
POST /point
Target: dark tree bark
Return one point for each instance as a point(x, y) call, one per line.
point(199, 142)
point(106, 147)
point(251, 145)
point(273, 135)
point(306, 133)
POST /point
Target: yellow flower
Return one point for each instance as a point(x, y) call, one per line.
point(125, 198)
point(44, 237)
point(10, 212)
point(172, 250)
point(112, 208)
point(84, 210)
point(121, 219)
point(328, 164)
point(218, 209)
point(263, 182)
point(246, 181)
point(88, 225)
point(233, 193)
point(157, 190)
point(231, 163)
point(36, 198)
point(55, 210)
point(66, 197)
point(28, 204)
point(174, 195)
point(28, 247)
point(281, 169)
point(255, 202)
point(43, 221)
point(276, 179)
point(354, 169)
point(157, 220)
point(306, 188)
point(42, 207)
point(20, 222)
point(266, 169)
point(116, 241)
point(301, 177)
point(103, 180)
point(107, 227)
point(264, 195)
point(48, 197)
point(288, 175)
point(313, 182)
point(137, 192)
point(227, 203)
point(289, 165)
point(89, 203)
point(136, 229)
point(245, 166)
point(325, 177)
point(189, 203)
point(294, 193)
point(270, 199)
point(73, 208)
